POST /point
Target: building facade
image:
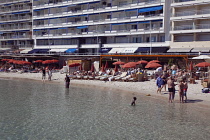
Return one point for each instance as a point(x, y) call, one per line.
point(101, 26)
point(16, 24)
point(190, 26)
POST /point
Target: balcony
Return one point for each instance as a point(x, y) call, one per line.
point(11, 28)
point(191, 13)
point(14, 19)
point(104, 21)
point(180, 3)
point(191, 28)
point(11, 1)
point(15, 37)
point(97, 9)
point(18, 9)
point(101, 33)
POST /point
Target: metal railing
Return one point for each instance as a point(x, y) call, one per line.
point(99, 32)
point(15, 18)
point(192, 27)
point(190, 13)
point(176, 1)
point(15, 37)
point(98, 20)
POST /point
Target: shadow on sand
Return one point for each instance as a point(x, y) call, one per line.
point(194, 101)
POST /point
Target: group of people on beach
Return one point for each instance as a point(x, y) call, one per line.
point(165, 80)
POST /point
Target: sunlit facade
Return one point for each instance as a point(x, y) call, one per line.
point(16, 24)
point(190, 26)
point(101, 26)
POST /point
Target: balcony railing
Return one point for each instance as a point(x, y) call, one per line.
point(10, 1)
point(192, 27)
point(97, 20)
point(190, 13)
point(126, 31)
point(126, 5)
point(15, 18)
point(12, 37)
point(19, 46)
point(18, 9)
point(15, 27)
point(176, 1)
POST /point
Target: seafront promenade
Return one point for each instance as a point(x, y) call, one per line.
point(195, 95)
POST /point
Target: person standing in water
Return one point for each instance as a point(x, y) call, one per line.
point(134, 101)
point(67, 81)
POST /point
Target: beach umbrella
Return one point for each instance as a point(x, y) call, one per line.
point(92, 68)
point(46, 62)
point(102, 68)
point(203, 64)
point(153, 65)
point(142, 62)
point(118, 63)
point(54, 61)
point(154, 61)
point(38, 61)
point(129, 65)
point(74, 64)
point(116, 68)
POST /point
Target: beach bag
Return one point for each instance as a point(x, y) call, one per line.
point(205, 90)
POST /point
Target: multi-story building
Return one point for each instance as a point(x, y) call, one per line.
point(16, 24)
point(190, 26)
point(93, 26)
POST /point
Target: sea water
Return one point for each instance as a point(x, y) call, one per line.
point(33, 110)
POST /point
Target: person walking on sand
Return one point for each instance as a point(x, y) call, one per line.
point(185, 90)
point(159, 83)
point(171, 89)
point(43, 74)
point(181, 91)
point(67, 81)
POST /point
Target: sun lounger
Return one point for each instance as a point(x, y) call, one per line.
point(119, 78)
point(104, 78)
point(125, 79)
point(91, 77)
point(85, 77)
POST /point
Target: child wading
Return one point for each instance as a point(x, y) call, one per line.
point(134, 101)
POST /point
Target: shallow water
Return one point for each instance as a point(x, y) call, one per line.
point(34, 110)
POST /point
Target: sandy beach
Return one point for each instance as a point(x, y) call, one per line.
point(136, 88)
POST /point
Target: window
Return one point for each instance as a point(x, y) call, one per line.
point(133, 26)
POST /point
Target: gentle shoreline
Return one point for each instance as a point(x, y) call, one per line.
point(137, 88)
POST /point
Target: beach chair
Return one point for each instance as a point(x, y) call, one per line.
point(119, 78)
point(91, 78)
point(85, 77)
point(125, 79)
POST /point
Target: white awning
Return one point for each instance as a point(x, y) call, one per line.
point(116, 50)
point(25, 51)
point(129, 50)
point(179, 50)
point(201, 49)
point(58, 50)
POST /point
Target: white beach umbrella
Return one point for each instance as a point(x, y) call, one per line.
point(202, 57)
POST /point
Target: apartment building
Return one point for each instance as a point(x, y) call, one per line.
point(190, 26)
point(16, 24)
point(101, 26)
